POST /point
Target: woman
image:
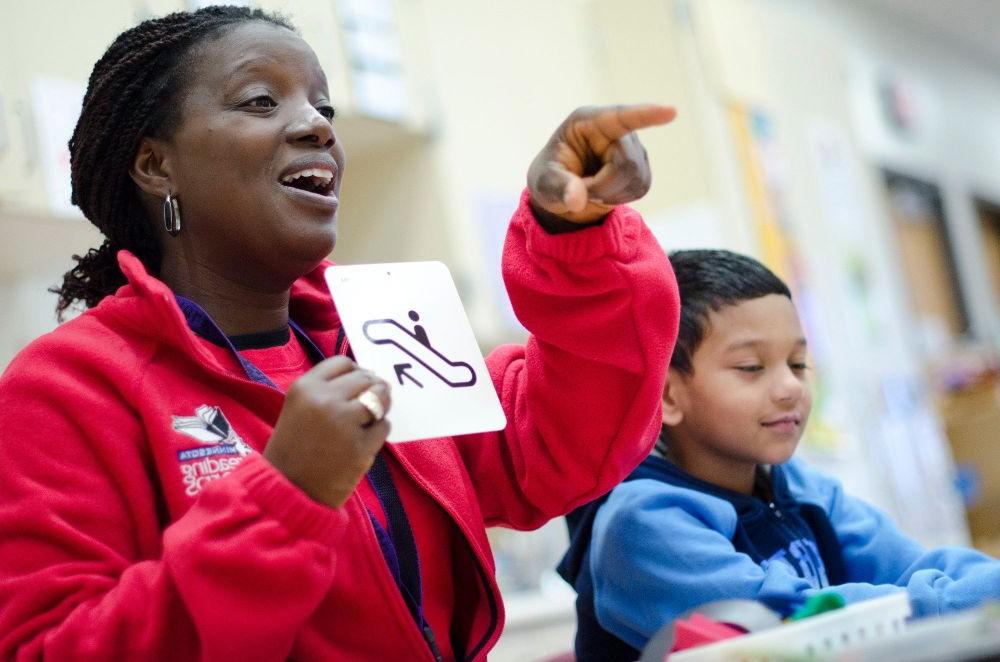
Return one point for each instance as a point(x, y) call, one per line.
point(195, 465)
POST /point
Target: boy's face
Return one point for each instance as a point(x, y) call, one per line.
point(747, 399)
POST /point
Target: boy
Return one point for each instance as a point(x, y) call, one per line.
point(720, 509)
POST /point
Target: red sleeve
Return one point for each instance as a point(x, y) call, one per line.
point(86, 571)
point(582, 397)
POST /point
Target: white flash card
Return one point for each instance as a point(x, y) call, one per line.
point(405, 322)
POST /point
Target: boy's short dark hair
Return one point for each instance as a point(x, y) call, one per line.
point(709, 280)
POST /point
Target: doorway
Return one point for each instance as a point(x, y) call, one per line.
point(926, 256)
point(989, 226)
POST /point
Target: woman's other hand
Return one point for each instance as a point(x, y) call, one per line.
point(325, 439)
point(593, 162)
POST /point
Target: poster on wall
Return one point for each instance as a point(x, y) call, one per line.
point(843, 208)
point(56, 104)
point(375, 57)
point(691, 225)
point(765, 178)
point(4, 139)
point(904, 436)
point(492, 211)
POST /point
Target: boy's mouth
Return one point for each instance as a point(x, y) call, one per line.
point(785, 423)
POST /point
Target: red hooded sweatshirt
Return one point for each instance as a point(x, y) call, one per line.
point(138, 524)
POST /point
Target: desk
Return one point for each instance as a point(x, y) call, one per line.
point(968, 635)
point(871, 631)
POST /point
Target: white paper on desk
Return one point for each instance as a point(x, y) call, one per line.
point(406, 323)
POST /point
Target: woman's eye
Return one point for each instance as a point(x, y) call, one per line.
point(329, 112)
point(263, 101)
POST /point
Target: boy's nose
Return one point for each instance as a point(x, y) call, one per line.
point(789, 388)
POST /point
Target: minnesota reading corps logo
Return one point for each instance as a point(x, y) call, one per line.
point(205, 463)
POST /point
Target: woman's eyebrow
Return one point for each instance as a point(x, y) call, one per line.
point(266, 65)
point(252, 63)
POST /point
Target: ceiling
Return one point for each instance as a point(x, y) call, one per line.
point(973, 24)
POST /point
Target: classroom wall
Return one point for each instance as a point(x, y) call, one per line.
point(502, 77)
point(796, 65)
point(490, 81)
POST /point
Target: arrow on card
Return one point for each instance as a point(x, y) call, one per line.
point(390, 332)
point(401, 372)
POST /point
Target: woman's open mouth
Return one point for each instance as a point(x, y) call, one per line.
point(318, 181)
point(312, 183)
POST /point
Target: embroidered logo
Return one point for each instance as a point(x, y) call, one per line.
point(204, 463)
point(803, 558)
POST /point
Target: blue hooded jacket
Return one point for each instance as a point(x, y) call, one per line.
point(664, 542)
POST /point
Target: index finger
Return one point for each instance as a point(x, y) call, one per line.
point(616, 121)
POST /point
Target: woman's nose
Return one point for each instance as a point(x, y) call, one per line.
point(312, 128)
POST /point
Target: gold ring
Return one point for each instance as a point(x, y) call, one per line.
point(370, 401)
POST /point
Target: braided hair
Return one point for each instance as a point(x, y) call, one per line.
point(135, 90)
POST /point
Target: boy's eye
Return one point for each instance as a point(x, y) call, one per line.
point(329, 112)
point(798, 367)
point(749, 368)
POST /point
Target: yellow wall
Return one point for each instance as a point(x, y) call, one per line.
point(501, 76)
point(489, 82)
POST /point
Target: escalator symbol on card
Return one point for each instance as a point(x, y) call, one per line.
point(417, 345)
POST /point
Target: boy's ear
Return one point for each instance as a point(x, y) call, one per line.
point(151, 168)
point(674, 396)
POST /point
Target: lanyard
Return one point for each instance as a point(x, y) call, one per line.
point(399, 549)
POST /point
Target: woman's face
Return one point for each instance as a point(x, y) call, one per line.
point(254, 162)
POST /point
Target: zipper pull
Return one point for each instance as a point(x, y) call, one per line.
point(432, 642)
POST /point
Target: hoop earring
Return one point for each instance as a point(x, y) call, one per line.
point(171, 216)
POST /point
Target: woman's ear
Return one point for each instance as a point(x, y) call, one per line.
point(674, 397)
point(151, 168)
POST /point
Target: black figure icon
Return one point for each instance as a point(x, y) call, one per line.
point(418, 331)
point(417, 346)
